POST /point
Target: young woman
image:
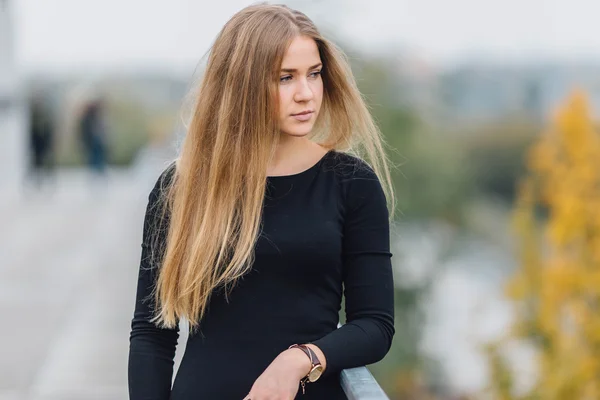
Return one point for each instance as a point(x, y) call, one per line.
point(262, 223)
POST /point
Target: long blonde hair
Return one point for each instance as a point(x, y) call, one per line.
point(216, 195)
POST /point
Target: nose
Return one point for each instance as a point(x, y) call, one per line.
point(303, 91)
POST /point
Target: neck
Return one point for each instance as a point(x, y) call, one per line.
point(294, 155)
point(290, 149)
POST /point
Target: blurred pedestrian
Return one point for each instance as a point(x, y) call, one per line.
point(41, 140)
point(254, 232)
point(93, 135)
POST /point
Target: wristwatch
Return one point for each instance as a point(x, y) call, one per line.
point(316, 368)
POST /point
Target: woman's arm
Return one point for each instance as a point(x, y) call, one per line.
point(151, 349)
point(368, 281)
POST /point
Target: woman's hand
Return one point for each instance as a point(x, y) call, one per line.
point(281, 379)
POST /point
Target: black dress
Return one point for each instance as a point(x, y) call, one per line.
point(325, 232)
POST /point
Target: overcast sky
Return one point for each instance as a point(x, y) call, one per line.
point(74, 34)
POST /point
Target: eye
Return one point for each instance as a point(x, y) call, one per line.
point(285, 78)
point(315, 74)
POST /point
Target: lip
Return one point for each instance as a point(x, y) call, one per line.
point(303, 113)
point(303, 116)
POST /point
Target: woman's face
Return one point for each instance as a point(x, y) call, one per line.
point(300, 87)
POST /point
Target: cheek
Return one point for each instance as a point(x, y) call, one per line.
point(284, 100)
point(318, 92)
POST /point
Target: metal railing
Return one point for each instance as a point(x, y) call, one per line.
point(359, 384)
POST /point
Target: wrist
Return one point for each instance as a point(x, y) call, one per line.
point(316, 360)
point(298, 361)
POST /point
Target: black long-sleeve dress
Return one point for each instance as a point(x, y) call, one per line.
point(325, 231)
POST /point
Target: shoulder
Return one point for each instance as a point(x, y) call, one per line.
point(358, 180)
point(157, 210)
point(158, 196)
point(350, 169)
point(164, 181)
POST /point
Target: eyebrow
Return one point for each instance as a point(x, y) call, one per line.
point(290, 70)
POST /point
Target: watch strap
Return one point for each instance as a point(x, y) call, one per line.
point(314, 360)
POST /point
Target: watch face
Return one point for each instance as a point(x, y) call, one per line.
point(315, 373)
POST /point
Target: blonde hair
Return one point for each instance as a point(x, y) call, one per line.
point(215, 198)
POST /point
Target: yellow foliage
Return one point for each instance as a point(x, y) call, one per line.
point(557, 287)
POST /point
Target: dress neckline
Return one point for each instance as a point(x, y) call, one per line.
point(301, 173)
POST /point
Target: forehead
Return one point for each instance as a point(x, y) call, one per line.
point(301, 53)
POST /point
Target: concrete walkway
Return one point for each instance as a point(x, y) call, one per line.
point(68, 268)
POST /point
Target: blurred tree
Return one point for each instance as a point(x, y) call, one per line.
point(129, 129)
point(495, 153)
point(428, 174)
point(558, 284)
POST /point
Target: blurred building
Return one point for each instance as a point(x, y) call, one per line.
point(474, 92)
point(13, 158)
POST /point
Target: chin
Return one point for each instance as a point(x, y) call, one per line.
point(298, 132)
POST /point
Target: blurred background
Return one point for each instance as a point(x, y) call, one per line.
point(490, 111)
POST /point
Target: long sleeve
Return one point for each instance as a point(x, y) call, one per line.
point(368, 281)
point(151, 349)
